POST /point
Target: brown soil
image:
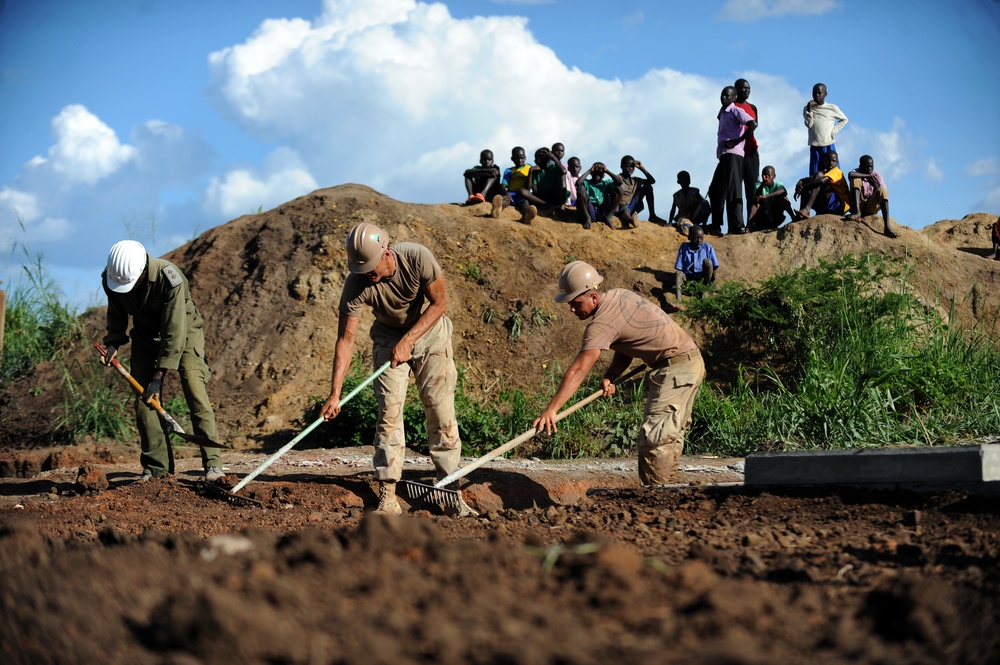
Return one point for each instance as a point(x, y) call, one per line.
point(568, 563)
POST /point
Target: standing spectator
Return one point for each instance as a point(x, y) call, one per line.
point(825, 191)
point(751, 154)
point(696, 261)
point(869, 193)
point(167, 333)
point(824, 121)
point(726, 190)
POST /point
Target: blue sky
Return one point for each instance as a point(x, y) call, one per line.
point(156, 120)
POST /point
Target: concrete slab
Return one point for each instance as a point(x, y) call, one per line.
point(958, 465)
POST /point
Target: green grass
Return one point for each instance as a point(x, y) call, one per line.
point(94, 405)
point(38, 327)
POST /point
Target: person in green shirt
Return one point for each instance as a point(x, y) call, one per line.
point(167, 334)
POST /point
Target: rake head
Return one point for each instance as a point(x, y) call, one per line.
point(217, 491)
point(448, 499)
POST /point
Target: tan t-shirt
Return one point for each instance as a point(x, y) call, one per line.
point(397, 301)
point(630, 324)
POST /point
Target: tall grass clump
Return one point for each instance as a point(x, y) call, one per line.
point(38, 325)
point(94, 404)
point(838, 356)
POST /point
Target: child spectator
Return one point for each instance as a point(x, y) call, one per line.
point(559, 151)
point(825, 191)
point(770, 203)
point(572, 175)
point(751, 153)
point(696, 261)
point(635, 191)
point(689, 207)
point(597, 198)
point(548, 181)
point(824, 122)
point(516, 184)
point(482, 182)
point(726, 190)
point(869, 193)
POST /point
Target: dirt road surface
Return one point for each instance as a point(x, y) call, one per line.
point(568, 563)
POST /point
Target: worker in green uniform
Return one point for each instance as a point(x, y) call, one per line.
point(167, 334)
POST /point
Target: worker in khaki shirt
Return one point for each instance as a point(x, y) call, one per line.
point(632, 327)
point(167, 334)
point(405, 289)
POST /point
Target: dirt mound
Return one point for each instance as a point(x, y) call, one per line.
point(269, 285)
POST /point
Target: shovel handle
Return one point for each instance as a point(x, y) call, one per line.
point(136, 386)
point(500, 450)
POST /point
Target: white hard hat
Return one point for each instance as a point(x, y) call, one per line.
point(126, 261)
point(365, 244)
point(576, 278)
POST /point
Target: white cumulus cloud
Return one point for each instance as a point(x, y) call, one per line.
point(86, 149)
point(244, 191)
point(983, 167)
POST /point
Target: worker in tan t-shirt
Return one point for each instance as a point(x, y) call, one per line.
point(632, 327)
point(405, 289)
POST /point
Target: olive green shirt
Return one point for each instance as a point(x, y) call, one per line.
point(165, 321)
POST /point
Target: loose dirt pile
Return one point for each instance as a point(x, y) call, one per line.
point(568, 563)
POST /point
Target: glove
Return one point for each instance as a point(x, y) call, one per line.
point(154, 389)
point(109, 354)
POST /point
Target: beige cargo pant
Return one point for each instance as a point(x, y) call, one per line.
point(433, 367)
point(669, 399)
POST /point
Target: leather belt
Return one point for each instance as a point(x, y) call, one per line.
point(677, 360)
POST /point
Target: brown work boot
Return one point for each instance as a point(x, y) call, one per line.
point(497, 206)
point(387, 502)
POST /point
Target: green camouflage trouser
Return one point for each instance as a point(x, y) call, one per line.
point(157, 453)
point(669, 399)
point(433, 366)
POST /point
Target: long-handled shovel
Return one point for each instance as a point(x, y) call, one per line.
point(453, 498)
point(155, 405)
point(316, 423)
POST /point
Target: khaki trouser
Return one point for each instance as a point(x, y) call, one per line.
point(157, 453)
point(669, 400)
point(872, 204)
point(433, 367)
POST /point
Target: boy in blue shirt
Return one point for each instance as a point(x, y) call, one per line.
point(696, 261)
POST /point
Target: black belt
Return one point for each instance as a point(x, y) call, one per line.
point(677, 360)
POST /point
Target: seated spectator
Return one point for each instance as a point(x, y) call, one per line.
point(996, 240)
point(770, 203)
point(548, 181)
point(516, 186)
point(482, 182)
point(825, 191)
point(572, 175)
point(696, 261)
point(596, 197)
point(689, 208)
point(636, 192)
point(868, 193)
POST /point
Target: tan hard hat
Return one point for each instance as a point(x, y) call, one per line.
point(365, 245)
point(576, 278)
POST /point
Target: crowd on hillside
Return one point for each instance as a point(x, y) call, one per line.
point(561, 188)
